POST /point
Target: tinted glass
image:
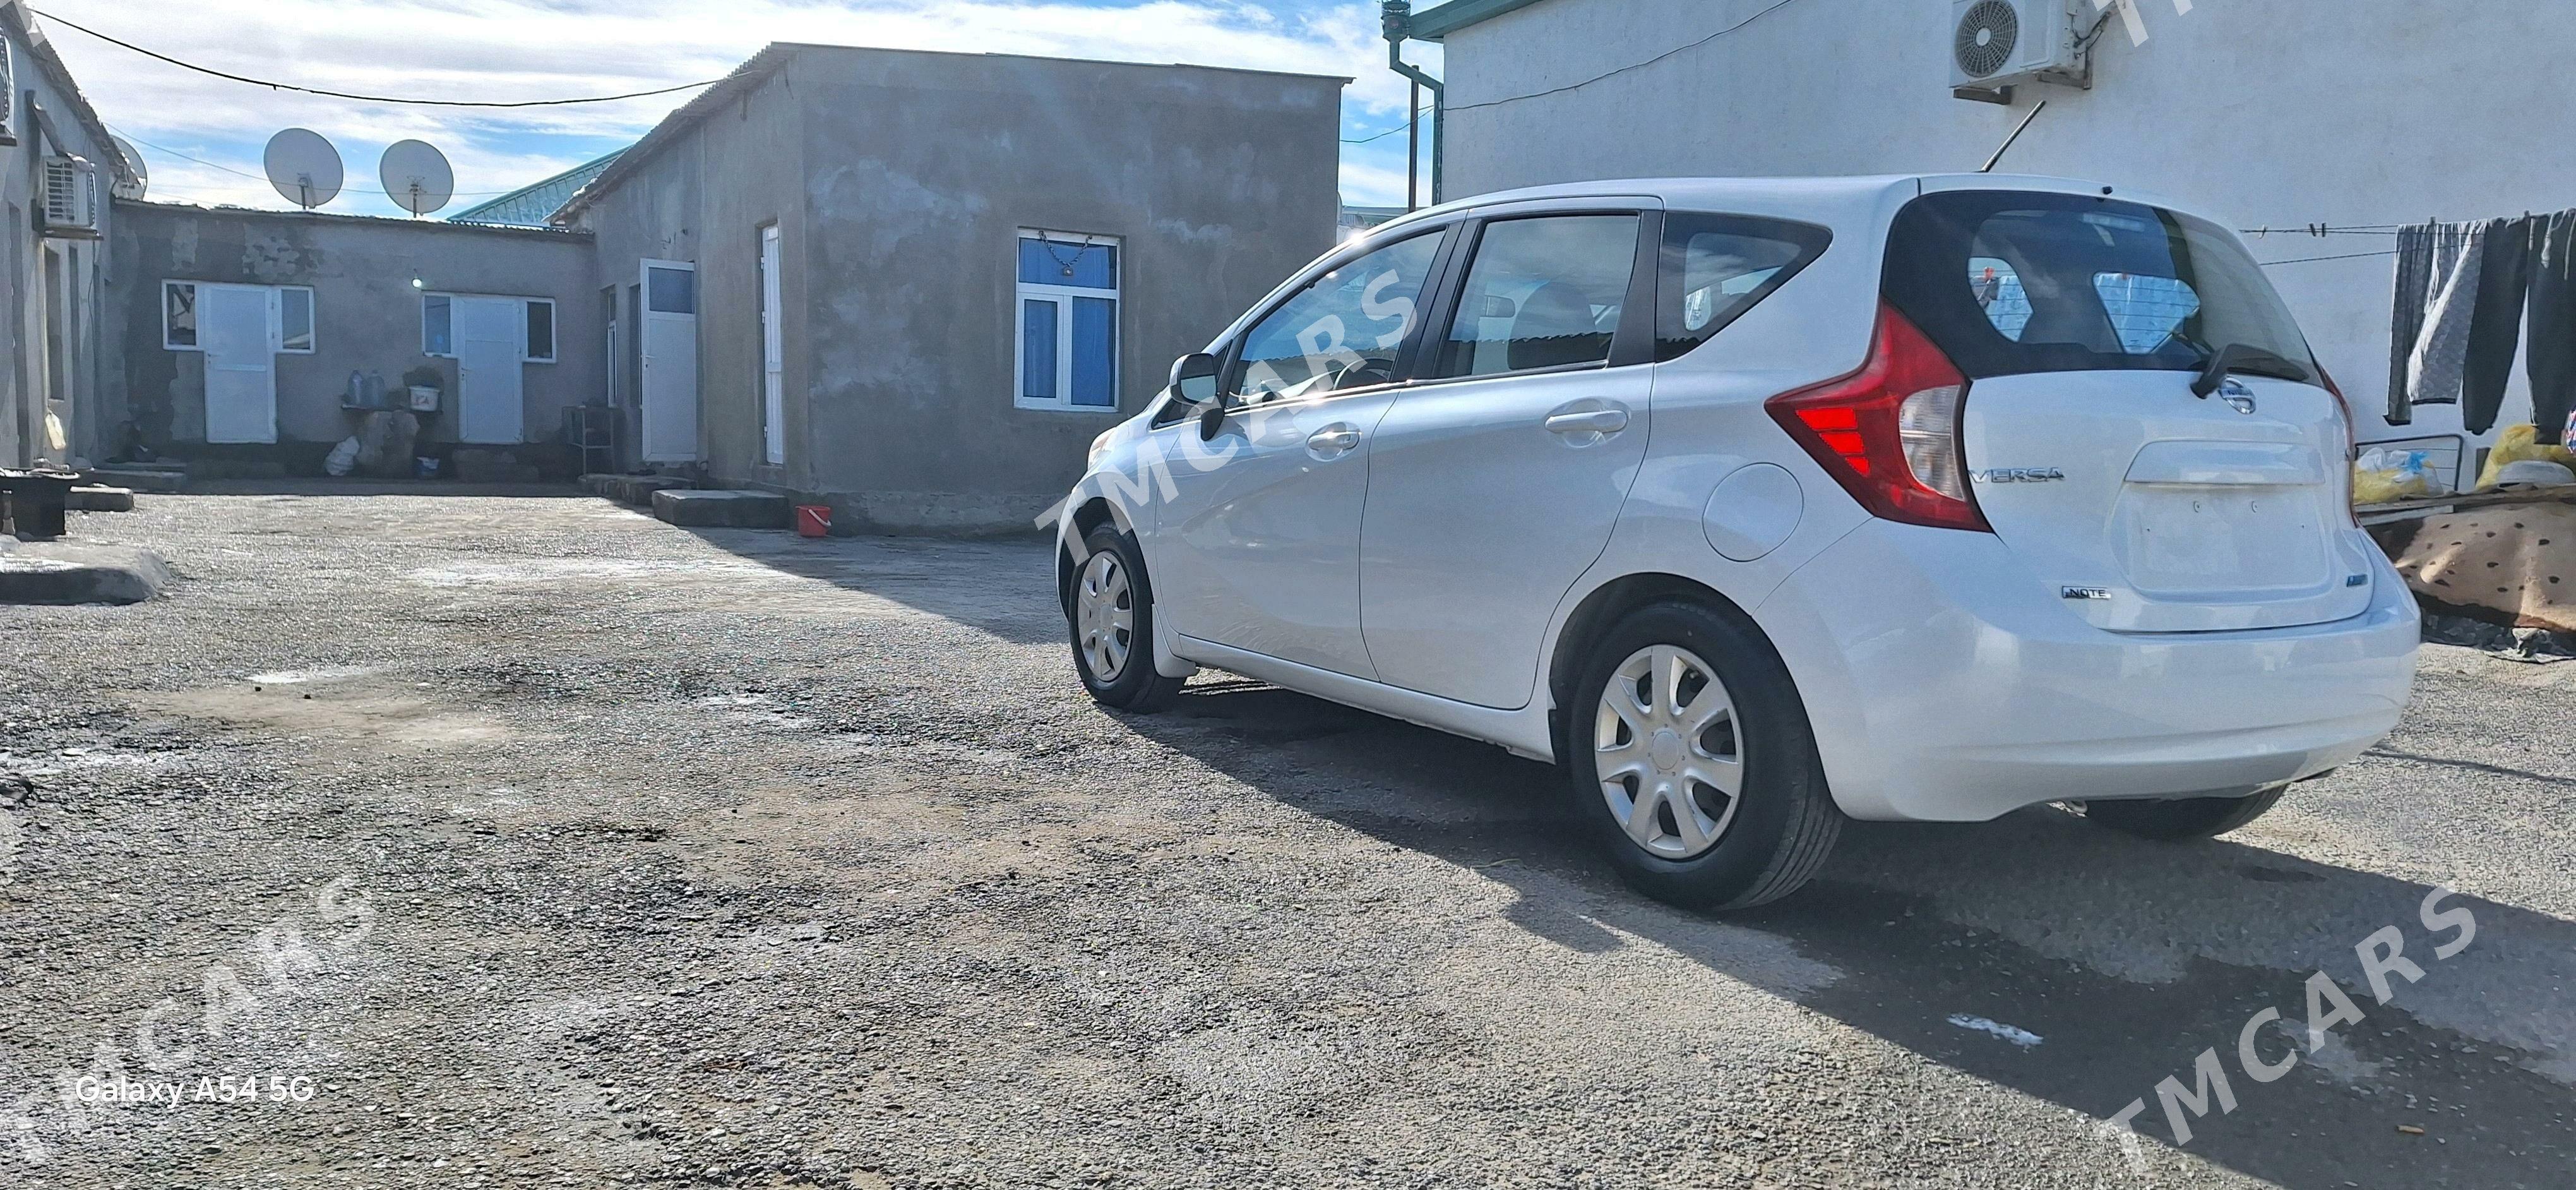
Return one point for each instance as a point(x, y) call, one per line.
point(1037, 350)
point(1068, 262)
point(179, 313)
point(435, 326)
point(1543, 293)
point(295, 320)
point(541, 330)
point(1341, 332)
point(2011, 283)
point(674, 291)
point(1716, 267)
point(1095, 353)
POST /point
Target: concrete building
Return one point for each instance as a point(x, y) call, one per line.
point(2348, 113)
point(916, 285)
point(53, 273)
point(238, 331)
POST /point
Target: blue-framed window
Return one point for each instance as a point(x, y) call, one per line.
point(1068, 321)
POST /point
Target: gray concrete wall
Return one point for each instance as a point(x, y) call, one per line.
point(46, 369)
point(900, 181)
point(704, 201)
point(2281, 114)
point(367, 315)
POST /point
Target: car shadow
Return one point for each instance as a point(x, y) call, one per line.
point(996, 585)
point(2123, 959)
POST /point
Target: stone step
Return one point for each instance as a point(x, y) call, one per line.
point(62, 573)
point(99, 498)
point(721, 509)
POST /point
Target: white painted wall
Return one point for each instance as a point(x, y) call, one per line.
point(2278, 112)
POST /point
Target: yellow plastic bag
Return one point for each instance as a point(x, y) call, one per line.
point(2516, 444)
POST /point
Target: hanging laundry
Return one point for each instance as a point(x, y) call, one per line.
point(2552, 360)
point(2438, 265)
point(2495, 323)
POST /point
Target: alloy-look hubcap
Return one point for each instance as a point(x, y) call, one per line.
point(1104, 617)
point(1668, 752)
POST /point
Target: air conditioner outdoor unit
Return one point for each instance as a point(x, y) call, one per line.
point(1998, 43)
point(71, 198)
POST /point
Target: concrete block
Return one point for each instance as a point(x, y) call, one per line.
point(632, 489)
point(59, 573)
point(721, 510)
point(140, 478)
point(100, 498)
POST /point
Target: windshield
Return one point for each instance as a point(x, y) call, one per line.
point(2009, 283)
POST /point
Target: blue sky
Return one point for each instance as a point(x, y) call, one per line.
point(202, 137)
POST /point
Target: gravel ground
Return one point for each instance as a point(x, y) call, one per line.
point(518, 839)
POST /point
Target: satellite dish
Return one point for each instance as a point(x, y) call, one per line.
point(131, 191)
point(303, 166)
point(417, 177)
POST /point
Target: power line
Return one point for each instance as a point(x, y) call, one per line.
point(1625, 69)
point(277, 86)
point(1376, 136)
point(2313, 259)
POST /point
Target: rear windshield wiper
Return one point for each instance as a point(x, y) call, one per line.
point(2253, 361)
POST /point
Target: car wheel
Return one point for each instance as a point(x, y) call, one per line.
point(1111, 613)
point(1692, 759)
point(2184, 818)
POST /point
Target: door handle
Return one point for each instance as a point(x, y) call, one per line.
point(1333, 439)
point(1592, 421)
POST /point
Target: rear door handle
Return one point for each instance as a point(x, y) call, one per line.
point(1333, 440)
point(1594, 421)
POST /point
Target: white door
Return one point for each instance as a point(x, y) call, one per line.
point(491, 404)
point(669, 385)
point(1258, 548)
point(1495, 483)
point(241, 363)
point(773, 353)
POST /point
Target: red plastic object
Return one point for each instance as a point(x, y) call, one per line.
point(813, 520)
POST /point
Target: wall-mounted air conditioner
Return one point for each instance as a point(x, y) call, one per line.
point(71, 198)
point(1996, 44)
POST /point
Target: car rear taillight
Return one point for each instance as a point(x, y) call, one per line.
point(1889, 433)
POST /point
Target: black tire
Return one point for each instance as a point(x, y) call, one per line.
point(1784, 822)
point(2184, 818)
point(1135, 687)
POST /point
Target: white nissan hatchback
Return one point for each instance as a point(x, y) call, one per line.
point(1758, 504)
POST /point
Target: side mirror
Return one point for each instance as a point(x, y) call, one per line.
point(1194, 377)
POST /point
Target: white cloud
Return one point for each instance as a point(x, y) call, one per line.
point(493, 49)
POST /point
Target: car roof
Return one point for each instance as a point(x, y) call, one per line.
point(1824, 195)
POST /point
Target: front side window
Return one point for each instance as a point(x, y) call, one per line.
point(295, 320)
point(1543, 293)
point(1716, 267)
point(2016, 282)
point(1068, 321)
point(179, 315)
point(1343, 330)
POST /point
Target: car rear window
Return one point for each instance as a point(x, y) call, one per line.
point(2010, 283)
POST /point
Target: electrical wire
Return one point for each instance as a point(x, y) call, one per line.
point(277, 86)
point(1679, 49)
point(1377, 136)
point(2313, 259)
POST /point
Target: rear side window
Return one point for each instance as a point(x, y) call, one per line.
point(1543, 293)
point(1716, 267)
point(2013, 283)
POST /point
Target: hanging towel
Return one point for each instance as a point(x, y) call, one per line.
point(2552, 360)
point(2438, 266)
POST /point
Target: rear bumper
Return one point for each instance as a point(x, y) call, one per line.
point(1945, 686)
